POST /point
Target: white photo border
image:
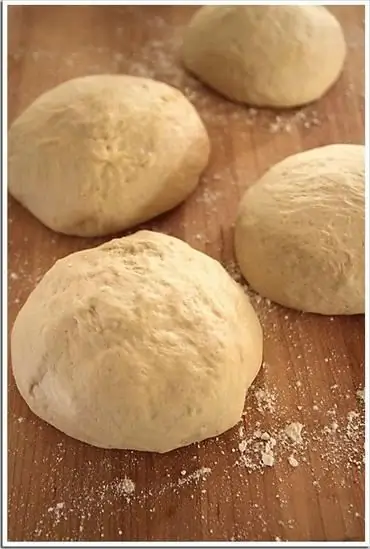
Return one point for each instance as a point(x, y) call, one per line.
point(4, 286)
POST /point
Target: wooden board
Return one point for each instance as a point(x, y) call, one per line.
point(60, 489)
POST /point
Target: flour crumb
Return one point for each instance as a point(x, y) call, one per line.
point(268, 459)
point(241, 431)
point(242, 446)
point(360, 394)
point(272, 442)
point(267, 454)
point(294, 431)
point(292, 461)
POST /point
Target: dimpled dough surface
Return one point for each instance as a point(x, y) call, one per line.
point(98, 154)
point(275, 56)
point(300, 231)
point(141, 343)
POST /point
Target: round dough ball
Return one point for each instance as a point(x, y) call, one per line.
point(300, 232)
point(268, 56)
point(141, 343)
point(99, 154)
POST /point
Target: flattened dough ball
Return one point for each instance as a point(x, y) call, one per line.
point(300, 231)
point(141, 343)
point(100, 154)
point(268, 56)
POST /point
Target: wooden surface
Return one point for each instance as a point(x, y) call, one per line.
point(60, 489)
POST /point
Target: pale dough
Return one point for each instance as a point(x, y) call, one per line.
point(276, 56)
point(99, 154)
point(300, 231)
point(141, 343)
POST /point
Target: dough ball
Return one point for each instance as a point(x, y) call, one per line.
point(99, 154)
point(300, 232)
point(274, 56)
point(141, 343)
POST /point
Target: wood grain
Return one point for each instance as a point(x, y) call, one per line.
point(60, 489)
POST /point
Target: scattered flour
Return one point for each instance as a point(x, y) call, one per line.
point(199, 474)
point(353, 424)
point(265, 400)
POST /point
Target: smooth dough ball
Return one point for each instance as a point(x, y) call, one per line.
point(141, 343)
point(99, 154)
point(300, 231)
point(272, 56)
